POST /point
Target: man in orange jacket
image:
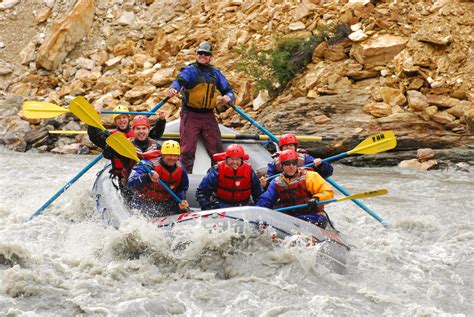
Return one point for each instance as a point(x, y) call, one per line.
point(295, 186)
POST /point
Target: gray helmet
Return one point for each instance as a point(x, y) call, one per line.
point(205, 47)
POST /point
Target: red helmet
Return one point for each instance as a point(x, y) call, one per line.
point(289, 138)
point(288, 155)
point(236, 150)
point(140, 120)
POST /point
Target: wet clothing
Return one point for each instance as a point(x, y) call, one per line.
point(200, 84)
point(223, 187)
point(296, 190)
point(152, 198)
point(325, 169)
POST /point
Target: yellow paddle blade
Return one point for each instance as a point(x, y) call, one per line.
point(41, 110)
point(85, 112)
point(67, 132)
point(372, 193)
point(122, 146)
point(375, 144)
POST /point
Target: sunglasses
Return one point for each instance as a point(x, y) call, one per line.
point(204, 53)
point(288, 163)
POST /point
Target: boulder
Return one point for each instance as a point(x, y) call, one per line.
point(68, 33)
point(378, 50)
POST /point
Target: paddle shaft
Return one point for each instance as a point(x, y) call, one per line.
point(356, 201)
point(83, 171)
point(258, 126)
point(65, 187)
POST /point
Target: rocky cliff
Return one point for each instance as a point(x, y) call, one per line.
point(401, 66)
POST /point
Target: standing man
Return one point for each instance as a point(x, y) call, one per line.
point(230, 183)
point(200, 83)
point(296, 186)
point(149, 196)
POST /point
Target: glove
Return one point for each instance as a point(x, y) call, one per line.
point(316, 219)
point(313, 202)
point(184, 205)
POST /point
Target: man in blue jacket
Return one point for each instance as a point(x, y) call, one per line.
point(231, 182)
point(200, 83)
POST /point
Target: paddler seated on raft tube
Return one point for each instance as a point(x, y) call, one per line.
point(149, 196)
point(295, 186)
point(122, 124)
point(229, 183)
point(290, 142)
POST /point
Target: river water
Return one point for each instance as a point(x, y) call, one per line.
point(65, 262)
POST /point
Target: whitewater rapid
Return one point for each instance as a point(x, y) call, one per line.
point(66, 262)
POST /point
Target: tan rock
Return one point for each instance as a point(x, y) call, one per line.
point(414, 164)
point(378, 109)
point(163, 77)
point(431, 110)
point(27, 55)
point(70, 31)
point(443, 117)
point(139, 92)
point(416, 100)
point(321, 119)
point(423, 155)
point(392, 96)
point(416, 83)
point(378, 50)
point(114, 60)
point(42, 15)
point(335, 53)
point(124, 48)
point(261, 99)
point(442, 101)
point(296, 26)
point(459, 110)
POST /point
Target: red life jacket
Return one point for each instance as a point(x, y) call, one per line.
point(294, 192)
point(155, 191)
point(117, 164)
point(234, 186)
point(301, 157)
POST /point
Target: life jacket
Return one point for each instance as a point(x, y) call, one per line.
point(203, 95)
point(155, 191)
point(294, 192)
point(301, 159)
point(117, 164)
point(234, 186)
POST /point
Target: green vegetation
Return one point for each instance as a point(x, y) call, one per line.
point(273, 68)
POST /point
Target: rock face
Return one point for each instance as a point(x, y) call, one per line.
point(404, 66)
point(66, 34)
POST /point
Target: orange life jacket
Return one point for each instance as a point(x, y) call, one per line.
point(234, 186)
point(155, 191)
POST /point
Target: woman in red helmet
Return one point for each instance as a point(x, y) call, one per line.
point(295, 186)
point(229, 183)
point(290, 142)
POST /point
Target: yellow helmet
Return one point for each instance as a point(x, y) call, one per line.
point(170, 147)
point(120, 108)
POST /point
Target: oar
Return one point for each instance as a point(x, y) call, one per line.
point(224, 136)
point(124, 147)
point(83, 171)
point(372, 145)
point(333, 183)
point(272, 137)
point(44, 110)
point(372, 193)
